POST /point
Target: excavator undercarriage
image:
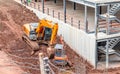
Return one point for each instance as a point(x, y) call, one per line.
point(33, 44)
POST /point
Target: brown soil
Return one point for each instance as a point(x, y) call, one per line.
point(12, 17)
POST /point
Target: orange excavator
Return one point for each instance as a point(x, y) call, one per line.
point(58, 55)
point(37, 33)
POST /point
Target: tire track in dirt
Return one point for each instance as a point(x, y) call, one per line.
point(11, 24)
point(12, 20)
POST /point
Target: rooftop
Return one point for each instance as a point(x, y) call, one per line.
point(92, 3)
point(102, 1)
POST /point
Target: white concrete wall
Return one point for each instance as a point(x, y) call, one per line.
point(82, 43)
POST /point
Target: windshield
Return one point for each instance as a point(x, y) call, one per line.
point(32, 32)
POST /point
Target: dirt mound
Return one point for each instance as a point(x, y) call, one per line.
point(3, 27)
point(3, 17)
point(12, 17)
point(23, 16)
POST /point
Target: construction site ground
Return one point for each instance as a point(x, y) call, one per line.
point(15, 55)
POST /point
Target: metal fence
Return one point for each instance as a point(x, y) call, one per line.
point(58, 15)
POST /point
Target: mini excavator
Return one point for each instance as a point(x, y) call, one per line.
point(57, 54)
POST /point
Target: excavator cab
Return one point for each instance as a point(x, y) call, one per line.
point(47, 30)
point(47, 33)
point(33, 35)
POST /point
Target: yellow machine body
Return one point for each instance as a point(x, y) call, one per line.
point(41, 30)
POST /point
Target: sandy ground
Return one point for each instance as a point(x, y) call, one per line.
point(6, 67)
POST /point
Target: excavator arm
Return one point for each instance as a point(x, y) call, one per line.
point(54, 33)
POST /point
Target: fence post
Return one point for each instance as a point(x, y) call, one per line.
point(21, 1)
point(53, 13)
point(87, 26)
point(85, 70)
point(48, 11)
point(42, 5)
point(30, 4)
point(38, 7)
point(34, 4)
point(42, 70)
point(59, 15)
point(71, 21)
point(79, 24)
point(64, 6)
